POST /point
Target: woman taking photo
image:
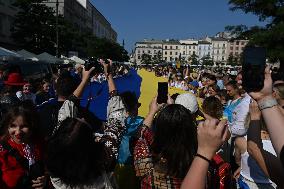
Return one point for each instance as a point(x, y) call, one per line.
point(164, 153)
point(20, 151)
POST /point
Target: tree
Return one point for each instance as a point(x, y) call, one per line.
point(104, 48)
point(207, 61)
point(146, 59)
point(34, 26)
point(270, 36)
point(193, 59)
point(157, 58)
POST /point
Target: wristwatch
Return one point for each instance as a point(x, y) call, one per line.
point(267, 103)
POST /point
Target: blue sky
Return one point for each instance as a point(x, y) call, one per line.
point(135, 20)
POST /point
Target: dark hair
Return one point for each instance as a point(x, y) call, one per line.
point(215, 88)
point(73, 155)
point(27, 110)
point(212, 77)
point(233, 84)
point(65, 85)
point(223, 93)
point(130, 101)
point(174, 96)
point(175, 139)
point(213, 107)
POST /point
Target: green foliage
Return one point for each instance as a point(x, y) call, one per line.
point(193, 59)
point(272, 35)
point(157, 58)
point(35, 30)
point(233, 60)
point(34, 26)
point(146, 59)
point(207, 61)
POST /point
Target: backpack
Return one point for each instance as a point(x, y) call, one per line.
point(219, 174)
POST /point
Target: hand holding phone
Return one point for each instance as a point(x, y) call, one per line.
point(254, 59)
point(162, 92)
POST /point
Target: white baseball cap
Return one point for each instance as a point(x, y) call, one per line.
point(189, 101)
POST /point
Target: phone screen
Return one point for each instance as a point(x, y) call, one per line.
point(254, 59)
point(162, 92)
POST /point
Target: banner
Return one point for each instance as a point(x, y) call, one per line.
point(96, 95)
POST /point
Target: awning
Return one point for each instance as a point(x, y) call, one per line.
point(28, 55)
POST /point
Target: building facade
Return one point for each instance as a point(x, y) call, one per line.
point(85, 17)
point(219, 49)
point(204, 49)
point(150, 47)
point(236, 47)
point(171, 50)
point(189, 47)
point(7, 17)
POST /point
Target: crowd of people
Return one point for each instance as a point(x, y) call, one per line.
point(212, 136)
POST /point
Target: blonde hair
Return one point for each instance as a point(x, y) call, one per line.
point(280, 89)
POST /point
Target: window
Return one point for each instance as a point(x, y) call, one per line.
point(217, 51)
point(171, 53)
point(176, 53)
point(171, 47)
point(231, 48)
point(138, 51)
point(237, 43)
point(143, 51)
point(183, 52)
point(193, 47)
point(223, 58)
point(176, 59)
point(236, 53)
point(149, 51)
point(176, 47)
point(223, 51)
point(237, 48)
point(166, 52)
point(166, 47)
point(243, 43)
point(155, 51)
point(166, 58)
point(139, 57)
point(171, 58)
point(189, 47)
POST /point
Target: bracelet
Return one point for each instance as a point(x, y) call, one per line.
point(267, 103)
point(202, 157)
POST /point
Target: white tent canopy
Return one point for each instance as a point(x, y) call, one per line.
point(77, 60)
point(6, 54)
point(28, 55)
point(49, 58)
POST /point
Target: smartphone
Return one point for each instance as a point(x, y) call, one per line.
point(253, 67)
point(162, 92)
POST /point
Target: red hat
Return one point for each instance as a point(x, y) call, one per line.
point(15, 79)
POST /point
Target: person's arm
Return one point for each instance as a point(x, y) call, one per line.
point(273, 117)
point(240, 147)
point(211, 135)
point(268, 162)
point(85, 79)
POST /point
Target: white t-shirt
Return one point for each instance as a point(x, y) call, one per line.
point(239, 116)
